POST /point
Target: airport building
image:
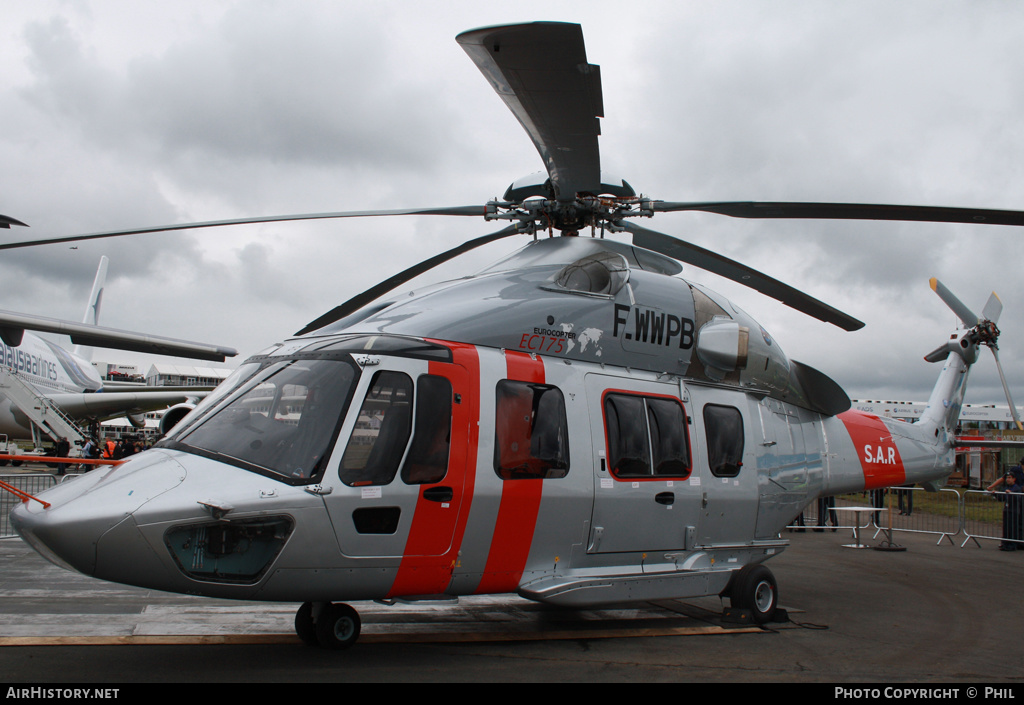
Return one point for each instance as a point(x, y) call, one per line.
point(167, 375)
point(158, 375)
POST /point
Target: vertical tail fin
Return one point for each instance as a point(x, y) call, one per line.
point(92, 310)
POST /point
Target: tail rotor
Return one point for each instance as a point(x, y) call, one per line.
point(981, 330)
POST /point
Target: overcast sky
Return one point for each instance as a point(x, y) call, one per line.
point(119, 114)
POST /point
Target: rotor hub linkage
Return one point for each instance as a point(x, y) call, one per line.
point(569, 217)
point(986, 333)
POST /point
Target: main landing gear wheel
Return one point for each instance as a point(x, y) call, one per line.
point(754, 588)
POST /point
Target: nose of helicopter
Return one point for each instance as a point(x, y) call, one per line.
point(96, 510)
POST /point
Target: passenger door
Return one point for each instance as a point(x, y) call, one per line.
point(646, 497)
point(726, 452)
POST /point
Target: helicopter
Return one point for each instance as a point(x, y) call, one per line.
point(575, 424)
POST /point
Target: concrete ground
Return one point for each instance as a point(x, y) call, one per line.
point(930, 614)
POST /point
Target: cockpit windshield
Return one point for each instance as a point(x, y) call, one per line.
point(281, 421)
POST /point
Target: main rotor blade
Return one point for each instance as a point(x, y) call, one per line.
point(541, 72)
point(731, 269)
point(7, 221)
point(455, 210)
point(375, 292)
point(847, 211)
point(966, 315)
point(98, 336)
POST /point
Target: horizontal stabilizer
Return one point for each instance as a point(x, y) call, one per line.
point(938, 354)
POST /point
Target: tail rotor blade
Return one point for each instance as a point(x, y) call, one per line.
point(1006, 389)
point(966, 316)
point(993, 308)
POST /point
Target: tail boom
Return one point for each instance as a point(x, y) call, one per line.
point(869, 452)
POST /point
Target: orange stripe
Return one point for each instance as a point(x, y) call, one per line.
point(421, 574)
point(520, 505)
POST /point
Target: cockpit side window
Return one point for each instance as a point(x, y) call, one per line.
point(381, 433)
point(724, 429)
point(427, 461)
point(531, 435)
point(281, 421)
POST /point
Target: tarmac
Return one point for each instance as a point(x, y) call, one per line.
point(933, 614)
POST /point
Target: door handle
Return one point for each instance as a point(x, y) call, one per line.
point(439, 494)
point(667, 498)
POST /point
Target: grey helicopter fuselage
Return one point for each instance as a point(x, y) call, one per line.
point(574, 424)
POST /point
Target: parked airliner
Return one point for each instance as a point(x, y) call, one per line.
point(68, 379)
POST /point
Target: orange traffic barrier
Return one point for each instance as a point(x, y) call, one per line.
point(61, 461)
point(23, 496)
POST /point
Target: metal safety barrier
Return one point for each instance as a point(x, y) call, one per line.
point(993, 515)
point(947, 514)
point(27, 483)
point(16, 488)
point(915, 510)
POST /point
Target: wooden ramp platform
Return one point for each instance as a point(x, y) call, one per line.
point(41, 604)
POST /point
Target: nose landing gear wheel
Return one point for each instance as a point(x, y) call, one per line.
point(337, 626)
point(327, 625)
point(304, 625)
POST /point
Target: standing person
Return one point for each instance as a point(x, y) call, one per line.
point(878, 502)
point(1012, 496)
point(825, 513)
point(905, 496)
point(91, 449)
point(108, 447)
point(61, 450)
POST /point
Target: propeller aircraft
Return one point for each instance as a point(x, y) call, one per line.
point(575, 424)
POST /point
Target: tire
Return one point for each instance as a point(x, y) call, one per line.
point(754, 588)
point(337, 626)
point(304, 625)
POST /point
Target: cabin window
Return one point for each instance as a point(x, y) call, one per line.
point(381, 433)
point(723, 426)
point(647, 436)
point(531, 437)
point(427, 461)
